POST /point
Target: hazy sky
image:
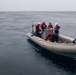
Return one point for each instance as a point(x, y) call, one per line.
point(37, 5)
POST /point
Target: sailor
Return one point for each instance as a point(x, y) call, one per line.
point(56, 28)
point(56, 31)
point(50, 37)
point(50, 25)
point(43, 25)
point(38, 30)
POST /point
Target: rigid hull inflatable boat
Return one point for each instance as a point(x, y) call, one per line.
point(65, 46)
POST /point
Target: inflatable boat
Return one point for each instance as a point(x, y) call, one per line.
point(66, 45)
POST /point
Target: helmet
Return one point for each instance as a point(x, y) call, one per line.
point(49, 22)
point(56, 24)
point(38, 22)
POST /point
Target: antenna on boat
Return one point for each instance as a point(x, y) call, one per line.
point(32, 28)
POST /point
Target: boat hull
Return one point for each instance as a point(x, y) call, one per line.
point(57, 48)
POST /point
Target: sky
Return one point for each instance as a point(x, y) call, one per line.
point(37, 5)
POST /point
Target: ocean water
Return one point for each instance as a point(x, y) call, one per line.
point(18, 56)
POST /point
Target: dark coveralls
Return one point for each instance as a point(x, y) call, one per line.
point(37, 30)
point(56, 29)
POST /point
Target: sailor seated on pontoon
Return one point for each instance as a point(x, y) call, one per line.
point(52, 37)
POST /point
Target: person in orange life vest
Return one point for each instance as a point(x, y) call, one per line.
point(50, 25)
point(50, 37)
point(56, 30)
point(38, 30)
point(43, 25)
